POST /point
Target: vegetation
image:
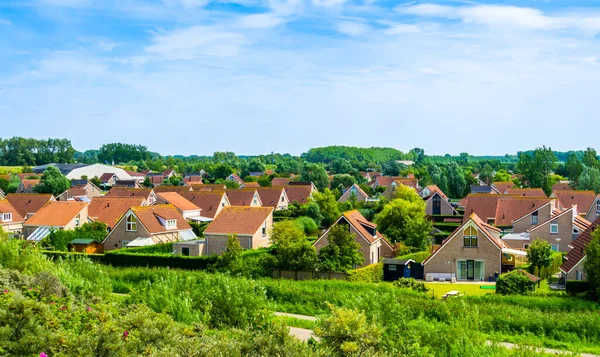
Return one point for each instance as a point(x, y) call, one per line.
point(293, 250)
point(342, 253)
point(539, 255)
point(514, 283)
point(53, 182)
point(372, 273)
point(592, 263)
point(60, 239)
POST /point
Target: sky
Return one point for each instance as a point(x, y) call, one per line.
point(256, 76)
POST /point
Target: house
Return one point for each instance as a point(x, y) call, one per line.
point(26, 186)
point(250, 185)
point(394, 269)
point(373, 245)
point(274, 197)
point(55, 215)
point(248, 198)
point(384, 181)
point(77, 171)
point(391, 188)
point(562, 186)
point(145, 193)
point(479, 181)
point(354, 192)
point(192, 178)
point(280, 181)
point(108, 179)
point(80, 189)
point(251, 225)
point(27, 204)
point(10, 219)
point(235, 178)
point(86, 245)
point(210, 203)
point(483, 189)
point(196, 247)
point(109, 210)
point(370, 175)
point(588, 202)
point(156, 179)
point(506, 211)
point(501, 187)
point(525, 192)
point(149, 225)
point(208, 187)
point(473, 252)
point(187, 209)
point(168, 188)
point(300, 192)
point(168, 173)
point(136, 176)
point(573, 267)
point(436, 202)
point(560, 230)
point(128, 183)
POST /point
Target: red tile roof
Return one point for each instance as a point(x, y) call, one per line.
point(149, 217)
point(28, 184)
point(434, 188)
point(28, 174)
point(28, 203)
point(503, 186)
point(526, 192)
point(135, 173)
point(194, 179)
point(106, 177)
point(561, 186)
point(129, 192)
point(110, 209)
point(251, 185)
point(270, 196)
point(178, 201)
point(579, 245)
point(583, 199)
point(57, 214)
point(6, 207)
point(239, 220)
point(503, 209)
point(207, 201)
point(239, 197)
point(298, 193)
point(280, 181)
point(358, 222)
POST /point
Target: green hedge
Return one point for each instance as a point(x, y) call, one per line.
point(575, 287)
point(53, 255)
point(159, 260)
point(418, 257)
point(447, 225)
point(151, 249)
point(440, 218)
point(557, 260)
point(370, 274)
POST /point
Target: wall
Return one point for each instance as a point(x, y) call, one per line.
point(565, 232)
point(196, 249)
point(524, 224)
point(591, 215)
point(573, 274)
point(446, 208)
point(454, 251)
point(120, 234)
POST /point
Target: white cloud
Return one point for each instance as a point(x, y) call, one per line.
point(396, 29)
point(328, 3)
point(351, 28)
point(66, 3)
point(72, 64)
point(193, 3)
point(258, 21)
point(5, 22)
point(197, 41)
point(100, 43)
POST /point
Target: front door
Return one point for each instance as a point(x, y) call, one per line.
point(437, 205)
point(470, 270)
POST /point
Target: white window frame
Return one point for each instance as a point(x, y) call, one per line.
point(392, 267)
point(131, 226)
point(171, 223)
point(7, 217)
point(555, 247)
point(535, 219)
point(554, 228)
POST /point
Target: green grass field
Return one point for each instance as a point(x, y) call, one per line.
point(439, 289)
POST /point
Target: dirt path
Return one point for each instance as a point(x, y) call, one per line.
point(300, 317)
point(302, 334)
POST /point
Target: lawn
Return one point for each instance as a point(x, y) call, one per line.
point(439, 289)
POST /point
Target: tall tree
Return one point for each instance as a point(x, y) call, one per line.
point(536, 167)
point(539, 255)
point(342, 180)
point(293, 250)
point(391, 168)
point(589, 179)
point(340, 166)
point(327, 205)
point(53, 181)
point(590, 158)
point(487, 174)
point(574, 167)
point(342, 253)
point(316, 174)
point(501, 176)
point(592, 262)
point(456, 180)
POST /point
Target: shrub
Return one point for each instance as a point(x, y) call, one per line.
point(410, 283)
point(575, 287)
point(370, 274)
point(417, 257)
point(306, 224)
point(514, 283)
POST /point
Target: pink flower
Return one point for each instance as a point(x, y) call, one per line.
point(43, 354)
point(126, 333)
point(89, 309)
point(5, 291)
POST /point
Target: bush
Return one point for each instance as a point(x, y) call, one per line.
point(417, 257)
point(557, 260)
point(410, 283)
point(165, 248)
point(370, 274)
point(575, 287)
point(120, 258)
point(514, 283)
point(306, 224)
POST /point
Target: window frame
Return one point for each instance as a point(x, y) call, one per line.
point(535, 219)
point(552, 227)
point(7, 217)
point(470, 237)
point(131, 225)
point(264, 229)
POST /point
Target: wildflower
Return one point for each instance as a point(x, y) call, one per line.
point(5, 291)
point(89, 309)
point(43, 354)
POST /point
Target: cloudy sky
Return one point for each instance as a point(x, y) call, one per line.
point(255, 76)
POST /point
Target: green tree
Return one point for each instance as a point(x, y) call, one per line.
point(231, 184)
point(231, 259)
point(487, 174)
point(221, 171)
point(391, 168)
point(316, 174)
point(437, 177)
point(573, 167)
point(313, 211)
point(342, 181)
point(536, 167)
point(340, 166)
point(96, 181)
point(53, 181)
point(404, 219)
point(4, 183)
point(328, 206)
point(342, 253)
point(590, 158)
point(501, 176)
point(589, 179)
point(592, 262)
point(293, 250)
point(457, 184)
point(539, 255)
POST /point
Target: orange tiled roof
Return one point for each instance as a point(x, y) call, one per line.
point(240, 197)
point(503, 186)
point(270, 196)
point(239, 220)
point(178, 201)
point(57, 214)
point(30, 183)
point(129, 192)
point(6, 207)
point(526, 192)
point(583, 199)
point(579, 245)
point(298, 193)
point(503, 209)
point(561, 186)
point(28, 203)
point(357, 221)
point(280, 181)
point(110, 209)
point(149, 217)
point(251, 185)
point(207, 201)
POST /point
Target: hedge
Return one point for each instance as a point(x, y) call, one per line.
point(417, 257)
point(159, 260)
point(575, 287)
point(370, 274)
point(52, 255)
point(447, 224)
point(557, 260)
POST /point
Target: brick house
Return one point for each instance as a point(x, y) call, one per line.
point(573, 267)
point(55, 215)
point(10, 219)
point(210, 203)
point(373, 245)
point(356, 192)
point(109, 210)
point(436, 201)
point(252, 225)
point(149, 225)
point(588, 202)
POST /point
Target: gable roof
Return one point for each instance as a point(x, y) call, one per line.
point(358, 221)
point(236, 178)
point(577, 253)
point(28, 203)
point(555, 214)
point(503, 186)
point(110, 209)
point(57, 214)
point(135, 174)
point(149, 217)
point(386, 180)
point(482, 227)
point(526, 192)
point(239, 197)
point(239, 220)
point(359, 192)
point(298, 193)
point(503, 209)
point(27, 184)
point(583, 199)
point(106, 176)
point(561, 186)
point(251, 185)
point(432, 189)
point(207, 201)
point(270, 196)
point(178, 201)
point(129, 192)
point(280, 181)
point(6, 207)
point(169, 188)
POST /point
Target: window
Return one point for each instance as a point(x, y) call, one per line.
point(555, 247)
point(578, 276)
point(534, 218)
point(575, 230)
point(554, 228)
point(131, 223)
point(526, 246)
point(282, 198)
point(264, 229)
point(171, 224)
point(598, 207)
point(185, 251)
point(254, 202)
point(353, 191)
point(392, 267)
point(124, 243)
point(7, 217)
point(77, 221)
point(222, 204)
point(470, 237)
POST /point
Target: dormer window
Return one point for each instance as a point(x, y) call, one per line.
point(131, 224)
point(470, 237)
point(7, 217)
point(534, 218)
point(171, 223)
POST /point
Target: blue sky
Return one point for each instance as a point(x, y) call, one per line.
point(255, 76)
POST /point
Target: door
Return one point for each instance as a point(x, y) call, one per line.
point(437, 205)
point(470, 270)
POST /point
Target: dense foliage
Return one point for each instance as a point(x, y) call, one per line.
point(53, 182)
point(592, 263)
point(514, 283)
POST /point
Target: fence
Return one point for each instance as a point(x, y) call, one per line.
point(307, 275)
